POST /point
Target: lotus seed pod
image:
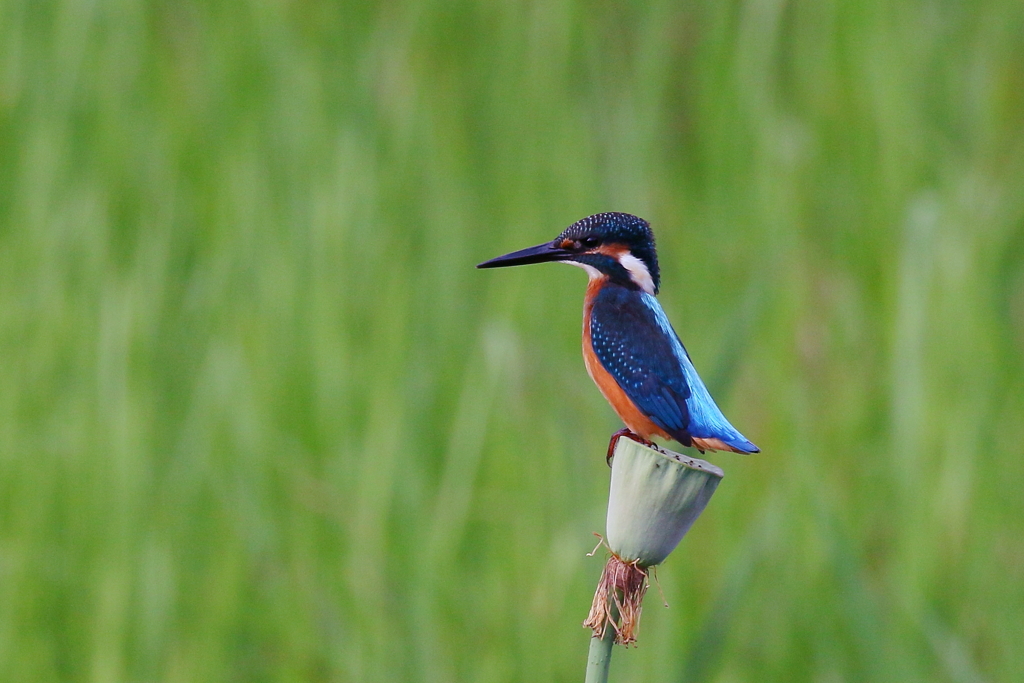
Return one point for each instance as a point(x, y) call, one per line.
point(655, 498)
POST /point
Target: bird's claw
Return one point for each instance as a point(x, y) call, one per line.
point(629, 434)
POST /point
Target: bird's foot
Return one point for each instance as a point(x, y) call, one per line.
point(629, 434)
point(614, 440)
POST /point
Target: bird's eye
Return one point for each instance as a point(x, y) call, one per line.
point(590, 241)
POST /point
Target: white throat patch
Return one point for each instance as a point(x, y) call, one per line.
point(592, 272)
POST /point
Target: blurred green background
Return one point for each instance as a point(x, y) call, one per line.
point(262, 420)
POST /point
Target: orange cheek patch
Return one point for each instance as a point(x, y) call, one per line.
point(613, 250)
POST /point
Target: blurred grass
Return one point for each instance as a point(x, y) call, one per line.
point(260, 419)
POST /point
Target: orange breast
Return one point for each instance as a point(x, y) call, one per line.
point(626, 409)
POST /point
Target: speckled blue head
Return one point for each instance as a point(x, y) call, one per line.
point(618, 246)
point(613, 238)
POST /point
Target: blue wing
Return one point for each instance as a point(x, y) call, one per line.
point(637, 345)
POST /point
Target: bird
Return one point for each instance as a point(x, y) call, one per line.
point(630, 348)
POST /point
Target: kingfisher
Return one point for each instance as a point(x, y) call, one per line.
point(630, 348)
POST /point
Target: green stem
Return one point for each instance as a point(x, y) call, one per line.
point(601, 652)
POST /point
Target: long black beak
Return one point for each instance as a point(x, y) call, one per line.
point(541, 253)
